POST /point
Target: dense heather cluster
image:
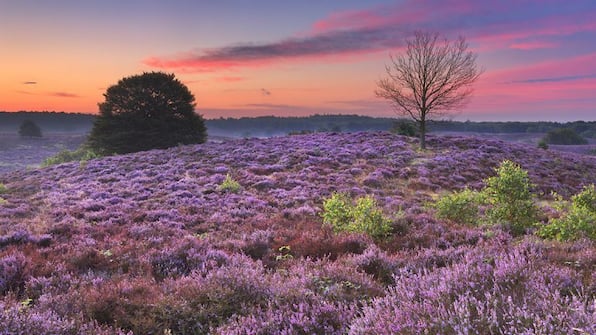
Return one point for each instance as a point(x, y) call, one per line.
point(150, 243)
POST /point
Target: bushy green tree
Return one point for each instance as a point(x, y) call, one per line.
point(509, 198)
point(149, 111)
point(29, 129)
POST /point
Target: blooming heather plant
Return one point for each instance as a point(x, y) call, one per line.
point(507, 292)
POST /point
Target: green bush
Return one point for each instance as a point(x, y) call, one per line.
point(337, 211)
point(460, 207)
point(3, 188)
point(542, 144)
point(578, 219)
point(364, 216)
point(64, 156)
point(586, 198)
point(230, 185)
point(509, 198)
point(405, 128)
point(565, 136)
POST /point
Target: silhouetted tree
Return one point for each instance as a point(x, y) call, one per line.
point(143, 112)
point(433, 76)
point(29, 128)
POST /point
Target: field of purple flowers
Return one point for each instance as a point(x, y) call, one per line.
point(150, 243)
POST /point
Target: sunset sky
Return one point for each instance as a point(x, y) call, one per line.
point(294, 58)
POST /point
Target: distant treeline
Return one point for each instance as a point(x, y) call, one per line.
point(586, 129)
point(272, 125)
point(265, 126)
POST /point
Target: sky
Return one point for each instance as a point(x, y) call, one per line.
point(295, 58)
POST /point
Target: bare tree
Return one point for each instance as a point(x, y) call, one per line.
point(433, 77)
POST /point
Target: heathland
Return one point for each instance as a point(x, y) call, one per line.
point(230, 238)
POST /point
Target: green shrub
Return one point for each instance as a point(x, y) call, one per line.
point(64, 156)
point(3, 188)
point(362, 217)
point(509, 198)
point(542, 144)
point(405, 128)
point(578, 219)
point(565, 136)
point(230, 185)
point(460, 207)
point(337, 211)
point(586, 198)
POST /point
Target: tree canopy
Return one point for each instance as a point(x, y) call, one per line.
point(153, 110)
point(433, 76)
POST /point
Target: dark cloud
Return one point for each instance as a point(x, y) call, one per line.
point(325, 44)
point(271, 106)
point(553, 79)
point(363, 103)
point(64, 95)
point(29, 83)
point(385, 27)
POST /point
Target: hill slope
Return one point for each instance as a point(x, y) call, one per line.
point(149, 241)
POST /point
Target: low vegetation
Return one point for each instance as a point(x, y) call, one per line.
point(80, 155)
point(361, 216)
point(460, 207)
point(151, 243)
point(230, 185)
point(577, 217)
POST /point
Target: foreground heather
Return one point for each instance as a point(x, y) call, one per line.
point(150, 243)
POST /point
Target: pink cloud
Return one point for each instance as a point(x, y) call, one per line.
point(532, 45)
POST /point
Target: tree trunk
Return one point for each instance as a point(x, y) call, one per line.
point(423, 134)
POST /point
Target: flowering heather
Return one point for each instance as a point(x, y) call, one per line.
point(150, 243)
